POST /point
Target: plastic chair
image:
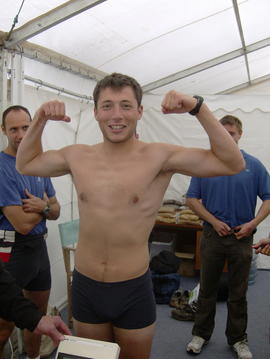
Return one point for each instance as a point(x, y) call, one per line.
point(69, 233)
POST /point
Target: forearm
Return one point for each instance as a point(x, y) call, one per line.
point(31, 147)
point(54, 211)
point(25, 226)
point(30, 157)
point(197, 206)
point(222, 144)
point(262, 213)
point(22, 222)
point(13, 305)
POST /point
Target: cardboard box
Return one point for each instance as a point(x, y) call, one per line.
point(187, 267)
point(157, 247)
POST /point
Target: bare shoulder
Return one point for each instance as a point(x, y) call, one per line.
point(77, 149)
point(160, 148)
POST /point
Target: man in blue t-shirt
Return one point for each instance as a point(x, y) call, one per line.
point(26, 202)
point(227, 205)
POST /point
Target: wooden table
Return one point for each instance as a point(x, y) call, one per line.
point(192, 232)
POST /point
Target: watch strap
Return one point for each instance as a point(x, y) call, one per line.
point(198, 105)
point(46, 211)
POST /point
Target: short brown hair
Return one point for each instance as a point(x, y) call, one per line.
point(118, 81)
point(14, 108)
point(232, 120)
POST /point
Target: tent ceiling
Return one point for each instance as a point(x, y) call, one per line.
point(196, 46)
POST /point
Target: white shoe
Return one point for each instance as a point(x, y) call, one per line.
point(242, 350)
point(196, 344)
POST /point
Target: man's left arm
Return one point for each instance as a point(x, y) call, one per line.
point(223, 157)
point(246, 229)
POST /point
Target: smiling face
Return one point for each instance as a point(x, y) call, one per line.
point(17, 123)
point(117, 113)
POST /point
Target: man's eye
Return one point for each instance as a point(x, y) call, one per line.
point(126, 106)
point(106, 107)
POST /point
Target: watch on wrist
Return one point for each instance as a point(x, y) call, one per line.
point(46, 211)
point(197, 107)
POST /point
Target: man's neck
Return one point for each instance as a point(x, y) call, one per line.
point(121, 149)
point(9, 151)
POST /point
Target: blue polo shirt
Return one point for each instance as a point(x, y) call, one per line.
point(232, 199)
point(12, 190)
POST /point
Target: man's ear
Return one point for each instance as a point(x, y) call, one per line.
point(95, 113)
point(140, 110)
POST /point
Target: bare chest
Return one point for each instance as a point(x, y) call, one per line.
point(104, 184)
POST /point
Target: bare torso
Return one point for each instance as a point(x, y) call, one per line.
point(118, 199)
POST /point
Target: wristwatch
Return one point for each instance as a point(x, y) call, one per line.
point(46, 211)
point(197, 107)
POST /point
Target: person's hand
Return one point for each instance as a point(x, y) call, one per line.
point(52, 110)
point(34, 204)
point(54, 327)
point(221, 228)
point(244, 230)
point(176, 102)
point(263, 246)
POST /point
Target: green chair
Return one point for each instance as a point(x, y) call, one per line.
point(69, 234)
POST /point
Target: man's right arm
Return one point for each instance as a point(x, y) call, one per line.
point(31, 159)
point(22, 222)
point(263, 246)
point(196, 205)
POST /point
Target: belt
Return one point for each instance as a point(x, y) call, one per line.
point(7, 240)
point(7, 235)
point(10, 236)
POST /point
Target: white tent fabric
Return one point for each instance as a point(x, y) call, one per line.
point(154, 127)
point(210, 46)
point(194, 47)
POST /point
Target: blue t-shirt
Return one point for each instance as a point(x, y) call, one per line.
point(12, 190)
point(232, 199)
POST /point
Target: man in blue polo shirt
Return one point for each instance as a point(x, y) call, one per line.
point(227, 205)
point(26, 202)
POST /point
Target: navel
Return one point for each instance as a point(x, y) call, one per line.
point(135, 199)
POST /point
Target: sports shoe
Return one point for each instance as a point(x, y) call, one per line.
point(179, 298)
point(242, 350)
point(196, 344)
point(176, 296)
point(183, 314)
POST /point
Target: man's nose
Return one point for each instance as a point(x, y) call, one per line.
point(20, 134)
point(117, 112)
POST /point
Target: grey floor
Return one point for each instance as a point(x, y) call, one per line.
point(171, 336)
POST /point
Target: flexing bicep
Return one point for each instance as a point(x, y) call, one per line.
point(46, 164)
point(22, 222)
point(195, 162)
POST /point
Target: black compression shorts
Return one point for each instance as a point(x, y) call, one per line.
point(29, 264)
point(127, 304)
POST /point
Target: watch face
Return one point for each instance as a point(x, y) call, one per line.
point(46, 210)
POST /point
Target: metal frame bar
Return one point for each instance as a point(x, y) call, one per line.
point(60, 90)
point(51, 18)
point(207, 65)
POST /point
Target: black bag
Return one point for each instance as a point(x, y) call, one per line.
point(165, 262)
point(164, 285)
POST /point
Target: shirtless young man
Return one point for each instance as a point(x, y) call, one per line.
point(120, 184)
